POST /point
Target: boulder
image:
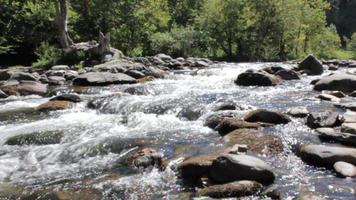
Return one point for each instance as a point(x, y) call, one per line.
point(311, 66)
point(287, 74)
point(22, 76)
point(228, 168)
point(214, 120)
point(5, 75)
point(341, 82)
point(345, 169)
point(349, 117)
point(55, 105)
point(265, 116)
point(56, 80)
point(225, 106)
point(102, 79)
point(333, 135)
point(196, 167)
point(349, 128)
point(230, 124)
point(40, 138)
point(144, 158)
point(299, 112)
point(234, 189)
point(256, 141)
point(326, 156)
point(25, 88)
point(67, 97)
point(324, 119)
point(251, 78)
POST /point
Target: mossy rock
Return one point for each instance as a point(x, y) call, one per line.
point(39, 138)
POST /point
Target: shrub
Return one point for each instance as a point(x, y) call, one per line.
point(47, 55)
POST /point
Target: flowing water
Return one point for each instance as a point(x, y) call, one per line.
point(169, 117)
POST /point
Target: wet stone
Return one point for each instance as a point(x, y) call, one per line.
point(230, 124)
point(326, 156)
point(345, 169)
point(40, 138)
point(256, 141)
point(67, 97)
point(266, 116)
point(324, 119)
point(234, 189)
point(55, 105)
point(299, 112)
point(349, 128)
point(228, 168)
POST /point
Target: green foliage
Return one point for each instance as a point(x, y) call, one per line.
point(47, 55)
point(353, 42)
point(234, 29)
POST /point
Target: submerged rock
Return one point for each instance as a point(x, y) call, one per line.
point(67, 97)
point(251, 78)
point(326, 156)
point(256, 141)
point(311, 66)
point(234, 189)
point(215, 119)
point(144, 158)
point(265, 116)
point(230, 124)
point(228, 168)
point(55, 105)
point(345, 169)
point(40, 138)
point(341, 82)
point(102, 79)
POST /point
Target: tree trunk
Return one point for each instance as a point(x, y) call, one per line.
point(62, 19)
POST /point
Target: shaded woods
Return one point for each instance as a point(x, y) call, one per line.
point(239, 30)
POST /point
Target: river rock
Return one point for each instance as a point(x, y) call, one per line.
point(328, 97)
point(102, 79)
point(228, 168)
point(349, 117)
point(196, 167)
point(346, 106)
point(341, 82)
point(256, 141)
point(234, 189)
point(326, 156)
point(24, 88)
point(287, 74)
point(56, 80)
point(67, 97)
point(225, 106)
point(338, 94)
point(252, 78)
point(144, 158)
point(299, 112)
point(22, 76)
point(345, 169)
point(5, 75)
point(230, 124)
point(311, 66)
point(265, 116)
point(324, 119)
point(215, 119)
point(60, 67)
point(3, 95)
point(349, 128)
point(273, 69)
point(55, 105)
point(353, 94)
point(332, 134)
point(40, 138)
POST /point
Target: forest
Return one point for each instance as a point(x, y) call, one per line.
point(235, 30)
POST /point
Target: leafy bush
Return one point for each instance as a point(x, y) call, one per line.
point(47, 55)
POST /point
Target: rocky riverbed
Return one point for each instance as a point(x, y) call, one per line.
point(163, 128)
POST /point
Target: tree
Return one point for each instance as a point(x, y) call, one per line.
point(62, 20)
